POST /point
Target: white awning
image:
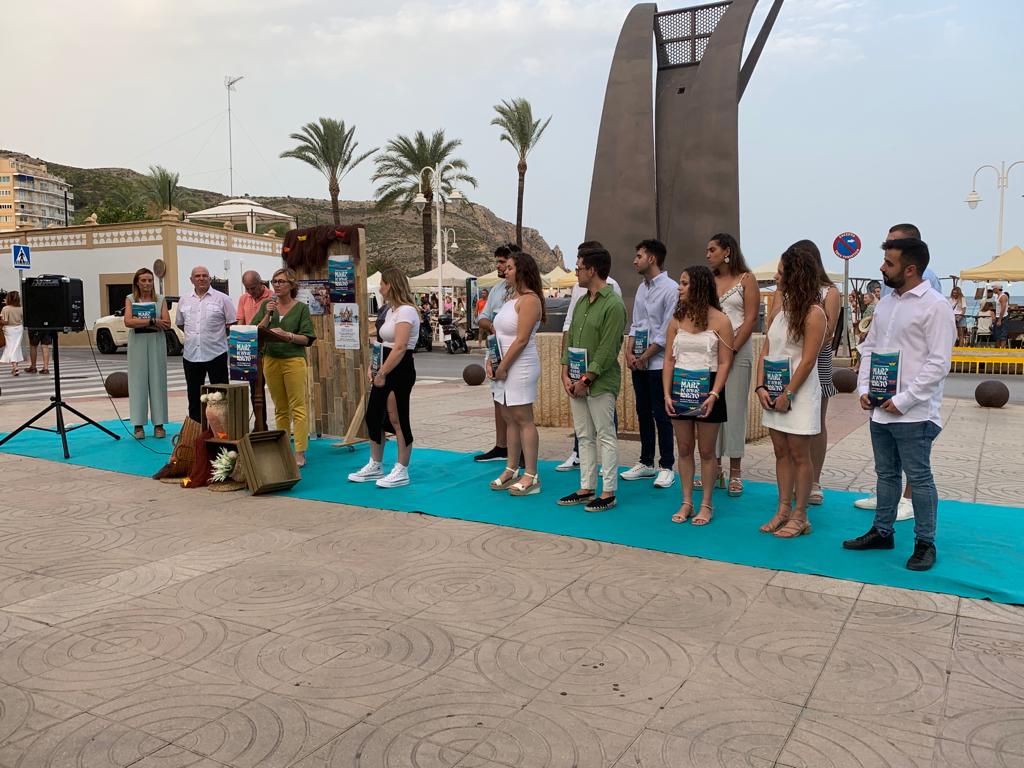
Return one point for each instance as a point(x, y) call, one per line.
point(241, 210)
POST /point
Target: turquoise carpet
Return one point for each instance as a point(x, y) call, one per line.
point(980, 553)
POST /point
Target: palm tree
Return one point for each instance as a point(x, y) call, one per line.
point(329, 147)
point(399, 167)
point(160, 189)
point(518, 128)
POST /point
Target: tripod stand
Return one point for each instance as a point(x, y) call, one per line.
point(58, 404)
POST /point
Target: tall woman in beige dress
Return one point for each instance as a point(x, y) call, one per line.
point(794, 417)
point(740, 300)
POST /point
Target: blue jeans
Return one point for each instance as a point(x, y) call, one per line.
point(650, 413)
point(905, 447)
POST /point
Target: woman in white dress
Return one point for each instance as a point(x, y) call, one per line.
point(794, 416)
point(514, 380)
point(740, 299)
point(14, 327)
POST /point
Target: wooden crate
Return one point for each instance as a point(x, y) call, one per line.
point(237, 396)
point(268, 462)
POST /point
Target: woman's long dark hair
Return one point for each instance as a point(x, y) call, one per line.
point(701, 297)
point(528, 279)
point(800, 285)
point(737, 264)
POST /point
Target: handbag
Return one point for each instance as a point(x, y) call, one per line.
point(184, 454)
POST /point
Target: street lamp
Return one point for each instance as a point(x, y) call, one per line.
point(448, 242)
point(420, 201)
point(1002, 180)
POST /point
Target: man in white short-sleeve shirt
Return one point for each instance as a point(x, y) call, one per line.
point(205, 315)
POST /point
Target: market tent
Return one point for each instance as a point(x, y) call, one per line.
point(241, 210)
point(765, 273)
point(555, 275)
point(489, 280)
point(452, 276)
point(373, 283)
point(569, 281)
point(1008, 266)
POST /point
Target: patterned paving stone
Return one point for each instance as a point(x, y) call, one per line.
point(549, 736)
point(870, 674)
point(985, 704)
point(176, 757)
point(43, 650)
point(417, 587)
point(655, 749)
point(738, 670)
point(592, 598)
point(520, 669)
point(268, 660)
point(16, 586)
point(1003, 673)
point(822, 740)
point(989, 637)
point(989, 611)
point(822, 584)
point(23, 714)
point(704, 610)
point(454, 712)
point(270, 732)
point(927, 631)
point(364, 746)
point(526, 549)
point(953, 754)
point(172, 707)
point(91, 567)
point(83, 740)
point(714, 723)
point(910, 598)
point(621, 681)
point(175, 635)
point(638, 570)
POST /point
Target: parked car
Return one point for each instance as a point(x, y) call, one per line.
point(112, 334)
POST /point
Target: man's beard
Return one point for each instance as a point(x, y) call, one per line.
point(894, 282)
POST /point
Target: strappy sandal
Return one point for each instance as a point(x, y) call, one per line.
point(780, 519)
point(719, 481)
point(679, 517)
point(735, 485)
point(503, 485)
point(519, 489)
point(698, 520)
point(793, 528)
point(816, 497)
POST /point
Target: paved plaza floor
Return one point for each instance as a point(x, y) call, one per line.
point(149, 626)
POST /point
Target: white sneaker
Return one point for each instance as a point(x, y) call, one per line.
point(573, 462)
point(905, 510)
point(398, 475)
point(638, 472)
point(665, 479)
point(372, 471)
point(871, 502)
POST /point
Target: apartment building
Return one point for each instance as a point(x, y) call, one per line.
point(31, 196)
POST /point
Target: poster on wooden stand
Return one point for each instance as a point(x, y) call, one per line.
point(336, 377)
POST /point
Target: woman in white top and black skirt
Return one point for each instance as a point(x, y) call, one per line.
point(699, 338)
point(388, 407)
point(793, 417)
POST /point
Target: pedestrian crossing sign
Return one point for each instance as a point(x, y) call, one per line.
point(22, 256)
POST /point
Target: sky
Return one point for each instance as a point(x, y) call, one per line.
point(861, 114)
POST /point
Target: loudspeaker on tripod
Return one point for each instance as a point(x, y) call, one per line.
point(53, 303)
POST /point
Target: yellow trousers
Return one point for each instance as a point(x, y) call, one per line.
point(286, 379)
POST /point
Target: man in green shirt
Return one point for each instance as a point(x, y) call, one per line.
point(595, 338)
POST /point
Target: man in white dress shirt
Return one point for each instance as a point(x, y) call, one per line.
point(918, 321)
point(205, 315)
point(655, 302)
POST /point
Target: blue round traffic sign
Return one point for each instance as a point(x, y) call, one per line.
point(846, 246)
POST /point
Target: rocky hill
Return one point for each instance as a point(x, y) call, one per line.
point(394, 238)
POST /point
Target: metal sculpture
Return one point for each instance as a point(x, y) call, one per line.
point(667, 160)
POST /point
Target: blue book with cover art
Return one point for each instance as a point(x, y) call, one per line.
point(493, 352)
point(144, 310)
point(777, 375)
point(690, 388)
point(577, 363)
point(376, 357)
point(884, 376)
point(243, 349)
point(641, 339)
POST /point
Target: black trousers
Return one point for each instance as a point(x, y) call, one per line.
point(650, 413)
point(195, 377)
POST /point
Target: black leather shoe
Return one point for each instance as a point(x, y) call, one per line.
point(870, 540)
point(923, 557)
point(495, 454)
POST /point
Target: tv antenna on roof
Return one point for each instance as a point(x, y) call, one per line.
point(229, 84)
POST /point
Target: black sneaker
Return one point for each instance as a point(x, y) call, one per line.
point(923, 557)
point(600, 505)
point(494, 454)
point(870, 540)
